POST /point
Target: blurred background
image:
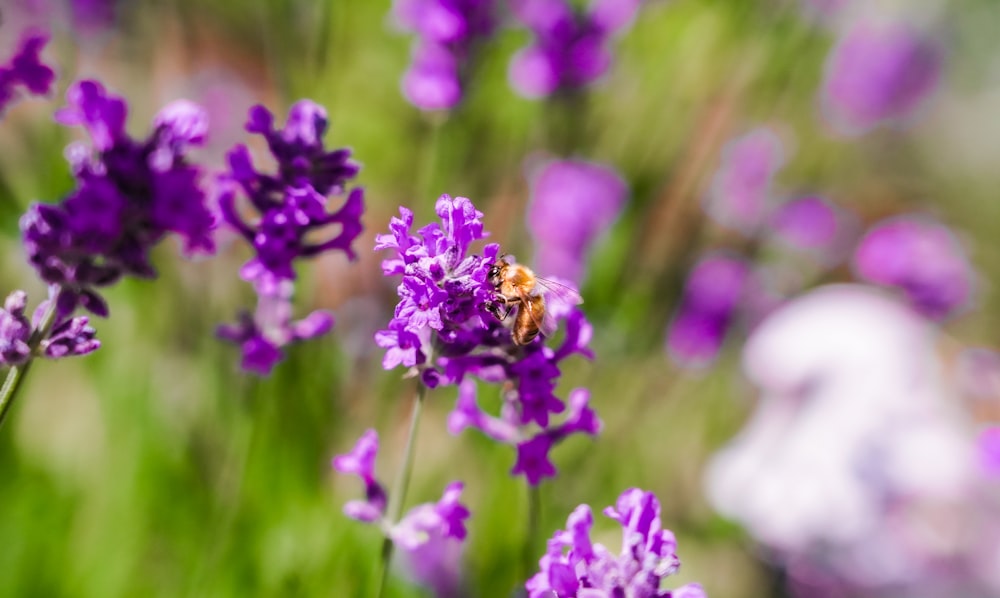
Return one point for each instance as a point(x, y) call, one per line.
point(845, 449)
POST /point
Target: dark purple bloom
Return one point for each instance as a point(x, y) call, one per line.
point(920, 257)
point(292, 207)
point(712, 294)
point(444, 332)
point(422, 524)
point(571, 48)
point(878, 71)
point(575, 567)
point(129, 195)
point(740, 194)
point(572, 203)
point(15, 330)
point(26, 69)
point(447, 31)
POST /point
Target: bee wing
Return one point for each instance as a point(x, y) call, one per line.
point(560, 299)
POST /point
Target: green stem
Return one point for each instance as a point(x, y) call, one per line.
point(428, 162)
point(16, 374)
point(530, 559)
point(397, 498)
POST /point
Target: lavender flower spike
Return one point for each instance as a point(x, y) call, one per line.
point(426, 532)
point(292, 207)
point(130, 194)
point(70, 337)
point(26, 69)
point(878, 71)
point(575, 567)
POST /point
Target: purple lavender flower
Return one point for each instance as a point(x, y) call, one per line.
point(570, 49)
point(878, 71)
point(429, 522)
point(741, 189)
point(989, 451)
point(26, 69)
point(713, 292)
point(129, 195)
point(920, 257)
point(292, 205)
point(444, 332)
point(576, 567)
point(572, 203)
point(447, 31)
point(815, 225)
point(70, 337)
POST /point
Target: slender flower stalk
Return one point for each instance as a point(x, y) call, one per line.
point(16, 374)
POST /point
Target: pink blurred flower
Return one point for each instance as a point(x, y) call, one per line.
point(741, 189)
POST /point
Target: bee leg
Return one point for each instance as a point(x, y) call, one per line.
point(494, 308)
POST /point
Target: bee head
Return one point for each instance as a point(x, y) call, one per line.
point(495, 275)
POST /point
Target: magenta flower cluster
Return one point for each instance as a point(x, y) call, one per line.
point(571, 48)
point(443, 330)
point(422, 524)
point(130, 193)
point(26, 70)
point(574, 566)
point(447, 31)
point(292, 205)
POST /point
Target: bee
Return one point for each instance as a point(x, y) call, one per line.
point(518, 287)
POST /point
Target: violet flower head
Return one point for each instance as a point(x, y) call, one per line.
point(878, 71)
point(712, 295)
point(292, 208)
point(572, 203)
point(576, 567)
point(444, 331)
point(988, 445)
point(130, 194)
point(920, 257)
point(571, 49)
point(815, 225)
point(68, 338)
point(26, 69)
point(740, 193)
point(447, 31)
point(432, 523)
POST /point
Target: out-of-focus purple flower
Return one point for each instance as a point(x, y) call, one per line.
point(425, 533)
point(70, 337)
point(712, 294)
point(26, 69)
point(292, 207)
point(856, 439)
point(444, 332)
point(447, 31)
point(93, 15)
point(740, 193)
point(879, 70)
point(129, 195)
point(575, 567)
point(815, 225)
point(572, 203)
point(920, 257)
point(571, 49)
point(989, 451)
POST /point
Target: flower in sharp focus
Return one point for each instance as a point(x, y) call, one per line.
point(292, 208)
point(740, 194)
point(426, 534)
point(447, 31)
point(713, 293)
point(920, 257)
point(576, 567)
point(571, 48)
point(878, 71)
point(572, 203)
point(130, 194)
point(444, 332)
point(26, 69)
